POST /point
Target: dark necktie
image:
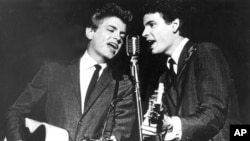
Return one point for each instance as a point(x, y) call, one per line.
point(93, 81)
point(171, 70)
point(171, 95)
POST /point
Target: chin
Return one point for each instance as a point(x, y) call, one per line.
point(155, 51)
point(110, 57)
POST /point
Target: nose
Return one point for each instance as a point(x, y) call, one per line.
point(145, 32)
point(117, 36)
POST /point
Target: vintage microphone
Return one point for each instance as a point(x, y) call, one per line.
point(133, 50)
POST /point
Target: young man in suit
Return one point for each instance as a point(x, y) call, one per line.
point(197, 103)
point(63, 88)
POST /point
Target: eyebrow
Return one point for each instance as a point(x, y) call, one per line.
point(149, 22)
point(114, 27)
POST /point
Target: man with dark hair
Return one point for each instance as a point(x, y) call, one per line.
point(198, 94)
point(88, 107)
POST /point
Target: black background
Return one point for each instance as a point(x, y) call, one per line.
point(32, 31)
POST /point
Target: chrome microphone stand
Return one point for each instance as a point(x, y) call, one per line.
point(135, 75)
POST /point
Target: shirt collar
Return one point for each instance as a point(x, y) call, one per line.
point(177, 52)
point(87, 62)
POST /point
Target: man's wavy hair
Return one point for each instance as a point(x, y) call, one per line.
point(109, 10)
point(170, 10)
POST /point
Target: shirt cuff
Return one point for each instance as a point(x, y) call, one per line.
point(174, 131)
point(177, 126)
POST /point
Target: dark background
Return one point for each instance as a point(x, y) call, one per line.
point(32, 31)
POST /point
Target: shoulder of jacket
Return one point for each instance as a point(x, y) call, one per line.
point(203, 46)
point(54, 65)
point(207, 48)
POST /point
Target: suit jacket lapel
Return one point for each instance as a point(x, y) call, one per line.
point(75, 75)
point(173, 95)
point(185, 57)
point(102, 83)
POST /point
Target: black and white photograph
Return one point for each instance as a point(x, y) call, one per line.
point(124, 70)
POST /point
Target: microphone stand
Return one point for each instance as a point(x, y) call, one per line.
point(134, 72)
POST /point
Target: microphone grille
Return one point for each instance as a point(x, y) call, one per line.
point(133, 45)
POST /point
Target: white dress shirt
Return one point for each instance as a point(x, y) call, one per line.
point(176, 54)
point(86, 71)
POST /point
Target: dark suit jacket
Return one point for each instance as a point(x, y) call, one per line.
point(57, 86)
point(203, 95)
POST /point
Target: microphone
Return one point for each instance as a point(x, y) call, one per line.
point(132, 45)
point(133, 50)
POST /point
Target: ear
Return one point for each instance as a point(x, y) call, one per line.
point(89, 32)
point(175, 25)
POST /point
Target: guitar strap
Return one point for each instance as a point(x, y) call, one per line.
point(108, 127)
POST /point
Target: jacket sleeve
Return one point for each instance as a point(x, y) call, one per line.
point(212, 76)
point(125, 111)
point(15, 116)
